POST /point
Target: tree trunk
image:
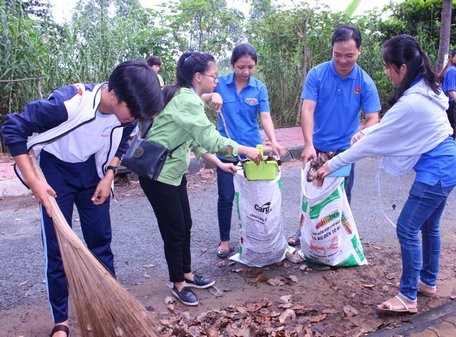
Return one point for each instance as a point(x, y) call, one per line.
point(445, 27)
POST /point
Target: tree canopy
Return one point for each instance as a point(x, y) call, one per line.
point(102, 33)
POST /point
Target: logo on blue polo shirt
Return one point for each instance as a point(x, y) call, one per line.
point(251, 101)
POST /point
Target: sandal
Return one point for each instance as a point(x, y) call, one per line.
point(397, 305)
point(223, 252)
point(295, 238)
point(60, 327)
point(426, 290)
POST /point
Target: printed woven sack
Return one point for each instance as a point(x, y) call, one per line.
point(259, 210)
point(328, 231)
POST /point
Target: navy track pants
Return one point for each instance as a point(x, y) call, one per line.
point(75, 184)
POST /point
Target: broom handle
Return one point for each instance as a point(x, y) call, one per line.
point(56, 214)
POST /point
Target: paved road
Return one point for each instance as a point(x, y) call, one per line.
point(135, 226)
point(137, 241)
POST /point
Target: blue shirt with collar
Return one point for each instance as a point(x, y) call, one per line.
point(339, 101)
point(449, 81)
point(241, 110)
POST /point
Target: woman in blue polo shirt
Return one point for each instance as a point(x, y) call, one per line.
point(244, 99)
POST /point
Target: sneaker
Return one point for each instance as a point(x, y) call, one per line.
point(200, 282)
point(186, 296)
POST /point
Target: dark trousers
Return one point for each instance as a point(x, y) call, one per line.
point(348, 183)
point(172, 209)
point(225, 187)
point(451, 113)
point(75, 185)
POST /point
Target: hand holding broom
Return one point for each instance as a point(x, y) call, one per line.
point(103, 307)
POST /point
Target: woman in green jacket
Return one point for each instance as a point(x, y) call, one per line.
point(184, 126)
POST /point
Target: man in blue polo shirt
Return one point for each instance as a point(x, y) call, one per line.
point(334, 94)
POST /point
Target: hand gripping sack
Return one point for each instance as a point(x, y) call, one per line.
point(328, 231)
point(259, 210)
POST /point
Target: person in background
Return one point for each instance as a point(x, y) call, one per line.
point(155, 63)
point(184, 126)
point(334, 94)
point(82, 131)
point(242, 99)
point(448, 79)
point(413, 134)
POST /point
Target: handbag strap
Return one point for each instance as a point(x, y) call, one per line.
point(145, 126)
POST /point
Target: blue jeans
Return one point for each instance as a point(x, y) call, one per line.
point(422, 211)
point(225, 186)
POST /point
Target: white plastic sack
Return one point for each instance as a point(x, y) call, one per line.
point(328, 231)
point(259, 210)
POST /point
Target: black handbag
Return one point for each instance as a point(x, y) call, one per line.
point(145, 158)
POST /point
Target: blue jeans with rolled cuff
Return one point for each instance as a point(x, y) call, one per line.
point(422, 212)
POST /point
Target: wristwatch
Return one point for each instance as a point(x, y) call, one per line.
point(113, 168)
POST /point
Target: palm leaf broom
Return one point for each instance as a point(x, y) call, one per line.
point(103, 307)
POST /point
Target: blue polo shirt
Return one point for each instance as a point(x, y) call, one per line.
point(241, 110)
point(339, 101)
point(449, 81)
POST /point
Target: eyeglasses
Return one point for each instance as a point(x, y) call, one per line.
point(214, 77)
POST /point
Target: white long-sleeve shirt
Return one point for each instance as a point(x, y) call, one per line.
point(416, 124)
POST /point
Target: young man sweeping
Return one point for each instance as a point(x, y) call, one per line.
point(79, 136)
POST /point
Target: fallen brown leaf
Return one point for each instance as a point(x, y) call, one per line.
point(276, 282)
point(287, 315)
point(350, 311)
point(148, 266)
point(317, 318)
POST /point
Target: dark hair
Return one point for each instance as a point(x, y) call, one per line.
point(449, 63)
point(403, 49)
point(168, 93)
point(346, 33)
point(243, 49)
point(136, 84)
point(453, 52)
point(153, 60)
point(189, 64)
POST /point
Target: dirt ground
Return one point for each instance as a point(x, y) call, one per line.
point(282, 300)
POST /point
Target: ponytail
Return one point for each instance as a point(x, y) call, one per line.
point(404, 49)
point(189, 64)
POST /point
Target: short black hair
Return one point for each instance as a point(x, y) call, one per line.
point(153, 60)
point(243, 49)
point(136, 84)
point(453, 52)
point(346, 33)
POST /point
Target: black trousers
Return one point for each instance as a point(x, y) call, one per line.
point(451, 112)
point(172, 209)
